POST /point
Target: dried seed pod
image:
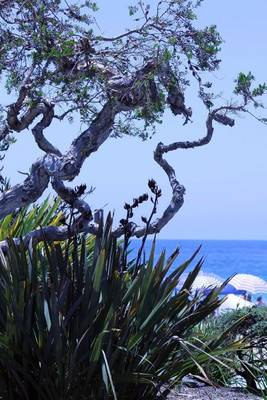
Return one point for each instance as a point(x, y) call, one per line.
point(127, 206)
point(152, 184)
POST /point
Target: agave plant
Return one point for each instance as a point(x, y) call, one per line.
point(75, 325)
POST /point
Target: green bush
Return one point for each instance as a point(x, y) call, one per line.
point(254, 321)
point(75, 324)
point(248, 363)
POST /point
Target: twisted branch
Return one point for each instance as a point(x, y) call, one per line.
point(178, 190)
point(48, 114)
point(27, 192)
point(49, 234)
point(53, 164)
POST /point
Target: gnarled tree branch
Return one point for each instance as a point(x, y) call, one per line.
point(178, 189)
point(67, 166)
point(50, 234)
point(27, 192)
point(48, 114)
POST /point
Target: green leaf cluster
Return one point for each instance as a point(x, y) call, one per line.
point(243, 83)
point(29, 219)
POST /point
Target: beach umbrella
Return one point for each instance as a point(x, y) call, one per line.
point(250, 283)
point(202, 281)
point(207, 281)
point(232, 302)
point(229, 289)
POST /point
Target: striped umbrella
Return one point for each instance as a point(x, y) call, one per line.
point(209, 281)
point(206, 281)
point(228, 289)
point(203, 280)
point(250, 283)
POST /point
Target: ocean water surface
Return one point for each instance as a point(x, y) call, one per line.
point(221, 257)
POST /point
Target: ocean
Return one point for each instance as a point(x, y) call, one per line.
point(221, 257)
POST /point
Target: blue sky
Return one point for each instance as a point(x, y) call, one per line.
point(226, 191)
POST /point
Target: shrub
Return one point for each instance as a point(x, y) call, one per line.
point(248, 363)
point(75, 324)
point(254, 321)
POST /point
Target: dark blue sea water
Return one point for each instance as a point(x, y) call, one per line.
point(222, 257)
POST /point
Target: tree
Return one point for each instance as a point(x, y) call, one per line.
point(57, 66)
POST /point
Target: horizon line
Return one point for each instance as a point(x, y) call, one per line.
point(214, 240)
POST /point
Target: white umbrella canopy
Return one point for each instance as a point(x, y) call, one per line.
point(202, 281)
point(207, 281)
point(232, 302)
point(250, 283)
